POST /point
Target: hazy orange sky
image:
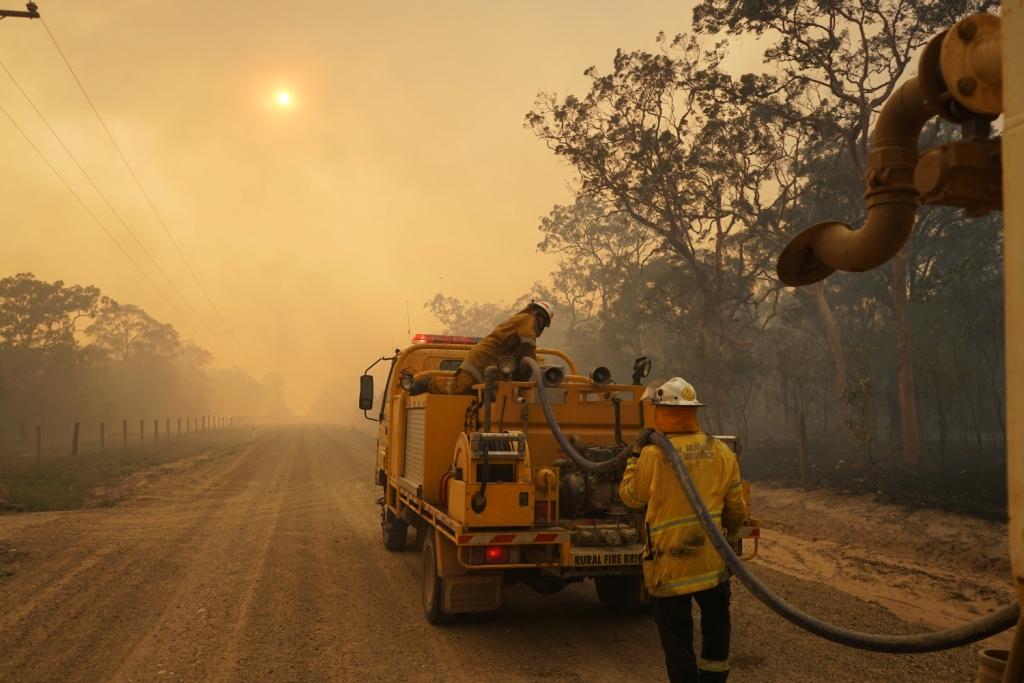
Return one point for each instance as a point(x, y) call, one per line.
point(400, 170)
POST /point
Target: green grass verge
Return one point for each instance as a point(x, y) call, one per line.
point(66, 483)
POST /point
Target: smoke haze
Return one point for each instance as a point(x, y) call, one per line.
point(401, 169)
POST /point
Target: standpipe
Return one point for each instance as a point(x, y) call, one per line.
point(891, 199)
point(960, 79)
point(1013, 252)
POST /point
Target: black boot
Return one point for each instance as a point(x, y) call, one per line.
point(409, 382)
point(713, 676)
point(419, 386)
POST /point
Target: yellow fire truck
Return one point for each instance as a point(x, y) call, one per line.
point(492, 496)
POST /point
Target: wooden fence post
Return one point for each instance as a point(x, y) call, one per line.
point(188, 425)
point(142, 431)
point(179, 426)
point(124, 432)
point(74, 441)
point(167, 431)
point(103, 435)
point(156, 430)
point(39, 443)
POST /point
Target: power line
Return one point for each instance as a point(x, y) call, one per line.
point(138, 183)
point(102, 196)
point(92, 214)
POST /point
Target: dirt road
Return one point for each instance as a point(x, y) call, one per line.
point(264, 562)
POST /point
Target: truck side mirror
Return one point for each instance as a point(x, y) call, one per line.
point(366, 392)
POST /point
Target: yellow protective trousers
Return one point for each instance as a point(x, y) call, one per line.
point(461, 383)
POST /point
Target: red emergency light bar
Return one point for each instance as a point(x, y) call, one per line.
point(421, 338)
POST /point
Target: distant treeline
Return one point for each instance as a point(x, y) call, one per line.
point(691, 180)
point(70, 354)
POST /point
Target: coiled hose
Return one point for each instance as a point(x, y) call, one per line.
point(994, 623)
point(997, 622)
point(583, 462)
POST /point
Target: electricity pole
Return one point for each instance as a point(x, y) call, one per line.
point(31, 11)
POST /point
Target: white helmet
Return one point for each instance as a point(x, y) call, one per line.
point(674, 392)
point(548, 309)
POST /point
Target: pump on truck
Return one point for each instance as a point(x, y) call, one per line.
point(492, 496)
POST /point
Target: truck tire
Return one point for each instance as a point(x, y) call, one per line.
point(393, 530)
point(621, 594)
point(433, 596)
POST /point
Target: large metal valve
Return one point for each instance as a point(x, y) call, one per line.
point(960, 79)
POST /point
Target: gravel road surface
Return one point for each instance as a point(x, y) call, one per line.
point(263, 562)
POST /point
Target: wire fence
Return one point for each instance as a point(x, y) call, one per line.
point(39, 441)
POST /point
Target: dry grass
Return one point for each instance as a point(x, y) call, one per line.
point(66, 483)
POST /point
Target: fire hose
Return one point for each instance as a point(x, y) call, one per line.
point(997, 622)
point(581, 461)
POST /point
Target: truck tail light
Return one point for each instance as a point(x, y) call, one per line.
point(497, 554)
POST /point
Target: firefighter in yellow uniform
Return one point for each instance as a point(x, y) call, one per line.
point(682, 562)
point(516, 337)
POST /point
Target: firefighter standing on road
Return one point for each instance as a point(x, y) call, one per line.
point(516, 337)
point(682, 561)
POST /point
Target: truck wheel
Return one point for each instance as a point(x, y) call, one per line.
point(393, 530)
point(433, 596)
point(621, 594)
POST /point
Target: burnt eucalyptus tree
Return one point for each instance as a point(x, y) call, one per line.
point(604, 268)
point(663, 139)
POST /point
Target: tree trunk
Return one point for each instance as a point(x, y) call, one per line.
point(839, 362)
point(802, 453)
point(910, 435)
point(941, 414)
point(824, 455)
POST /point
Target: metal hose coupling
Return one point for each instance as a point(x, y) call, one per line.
point(998, 621)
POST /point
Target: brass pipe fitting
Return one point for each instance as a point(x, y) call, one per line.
point(891, 199)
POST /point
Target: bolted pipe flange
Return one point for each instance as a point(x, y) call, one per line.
point(936, 92)
point(970, 62)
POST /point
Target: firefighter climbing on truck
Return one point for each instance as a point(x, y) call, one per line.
point(680, 561)
point(515, 337)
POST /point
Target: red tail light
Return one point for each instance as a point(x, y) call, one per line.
point(497, 554)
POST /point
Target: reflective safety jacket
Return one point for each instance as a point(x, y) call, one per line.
point(680, 557)
point(516, 337)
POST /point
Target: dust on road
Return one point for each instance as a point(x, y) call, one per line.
point(264, 562)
